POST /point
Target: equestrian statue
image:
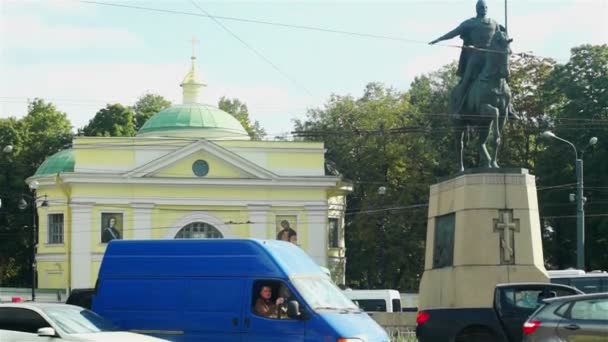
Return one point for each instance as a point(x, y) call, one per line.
point(482, 98)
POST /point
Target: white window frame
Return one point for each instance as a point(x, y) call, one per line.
point(51, 233)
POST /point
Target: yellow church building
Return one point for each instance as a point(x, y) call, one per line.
point(191, 172)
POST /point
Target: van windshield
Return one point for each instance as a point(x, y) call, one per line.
point(322, 294)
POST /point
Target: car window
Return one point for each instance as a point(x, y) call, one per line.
point(587, 285)
point(271, 307)
point(528, 299)
point(372, 305)
point(562, 310)
point(396, 305)
point(590, 309)
point(21, 319)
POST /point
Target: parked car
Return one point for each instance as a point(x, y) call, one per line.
point(571, 318)
point(21, 322)
point(210, 290)
point(513, 304)
point(81, 297)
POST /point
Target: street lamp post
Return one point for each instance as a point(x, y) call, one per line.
point(580, 200)
point(22, 206)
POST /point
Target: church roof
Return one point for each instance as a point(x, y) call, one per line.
point(193, 120)
point(62, 161)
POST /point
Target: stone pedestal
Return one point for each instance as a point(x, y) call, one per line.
point(483, 229)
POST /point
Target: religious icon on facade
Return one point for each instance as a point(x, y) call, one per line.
point(286, 228)
point(111, 227)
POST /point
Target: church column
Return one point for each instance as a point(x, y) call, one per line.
point(316, 218)
point(80, 254)
point(142, 220)
point(258, 214)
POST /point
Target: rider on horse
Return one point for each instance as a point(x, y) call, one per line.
point(477, 34)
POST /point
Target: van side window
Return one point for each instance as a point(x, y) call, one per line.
point(270, 298)
point(372, 305)
point(396, 305)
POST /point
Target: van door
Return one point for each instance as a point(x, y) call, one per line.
point(264, 320)
point(213, 308)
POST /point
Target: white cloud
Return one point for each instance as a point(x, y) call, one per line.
point(29, 32)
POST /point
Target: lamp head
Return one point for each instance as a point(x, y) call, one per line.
point(8, 149)
point(592, 141)
point(548, 134)
point(45, 202)
point(22, 204)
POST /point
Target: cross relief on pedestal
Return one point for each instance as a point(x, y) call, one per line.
point(507, 226)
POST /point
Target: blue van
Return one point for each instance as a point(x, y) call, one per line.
point(208, 290)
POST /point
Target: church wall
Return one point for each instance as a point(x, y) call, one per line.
point(52, 274)
point(104, 160)
point(217, 168)
point(135, 192)
point(296, 164)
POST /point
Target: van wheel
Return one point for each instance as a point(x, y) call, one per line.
point(476, 335)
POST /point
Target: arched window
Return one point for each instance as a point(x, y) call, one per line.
point(199, 230)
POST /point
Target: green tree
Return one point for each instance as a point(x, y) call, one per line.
point(42, 132)
point(146, 106)
point(578, 95)
point(239, 110)
point(115, 120)
point(365, 142)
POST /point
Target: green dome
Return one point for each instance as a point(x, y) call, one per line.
point(193, 120)
point(62, 161)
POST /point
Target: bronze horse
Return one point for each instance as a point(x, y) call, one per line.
point(486, 105)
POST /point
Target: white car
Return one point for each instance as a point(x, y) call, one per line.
point(33, 322)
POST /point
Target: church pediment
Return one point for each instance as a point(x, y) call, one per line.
point(202, 159)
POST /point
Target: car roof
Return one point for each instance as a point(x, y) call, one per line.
point(36, 305)
point(577, 297)
point(522, 284)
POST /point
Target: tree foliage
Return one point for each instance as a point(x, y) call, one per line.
point(578, 93)
point(146, 106)
point(42, 132)
point(115, 120)
point(239, 110)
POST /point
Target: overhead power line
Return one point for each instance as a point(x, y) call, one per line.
point(300, 27)
point(250, 47)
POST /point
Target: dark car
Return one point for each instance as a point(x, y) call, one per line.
point(570, 318)
point(513, 304)
point(81, 297)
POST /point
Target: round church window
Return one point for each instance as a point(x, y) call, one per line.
point(200, 168)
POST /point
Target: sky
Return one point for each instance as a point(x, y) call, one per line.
point(81, 56)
